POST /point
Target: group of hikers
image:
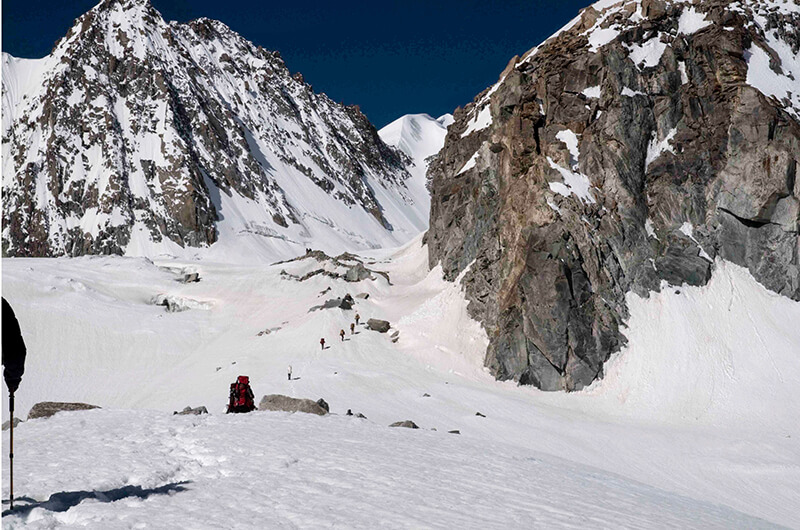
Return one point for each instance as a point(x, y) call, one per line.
point(341, 332)
point(241, 397)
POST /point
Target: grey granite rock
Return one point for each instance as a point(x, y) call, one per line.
point(45, 409)
point(681, 162)
point(407, 424)
point(188, 411)
point(290, 404)
point(381, 326)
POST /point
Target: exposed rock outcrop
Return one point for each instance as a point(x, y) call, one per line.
point(189, 411)
point(345, 302)
point(7, 424)
point(407, 424)
point(290, 404)
point(345, 266)
point(45, 409)
point(633, 147)
point(381, 326)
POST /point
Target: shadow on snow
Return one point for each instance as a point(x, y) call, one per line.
point(63, 501)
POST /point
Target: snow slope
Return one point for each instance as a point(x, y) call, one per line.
point(275, 470)
point(420, 137)
point(694, 424)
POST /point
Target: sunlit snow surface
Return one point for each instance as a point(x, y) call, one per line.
point(694, 424)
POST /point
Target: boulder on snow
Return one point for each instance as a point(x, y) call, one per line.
point(408, 424)
point(174, 304)
point(324, 404)
point(45, 409)
point(345, 302)
point(290, 404)
point(362, 295)
point(381, 326)
point(7, 425)
point(189, 410)
point(356, 273)
point(190, 277)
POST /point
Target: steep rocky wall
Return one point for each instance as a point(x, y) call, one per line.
point(628, 150)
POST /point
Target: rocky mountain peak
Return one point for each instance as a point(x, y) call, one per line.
point(631, 149)
point(137, 136)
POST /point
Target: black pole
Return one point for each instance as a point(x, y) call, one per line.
point(11, 451)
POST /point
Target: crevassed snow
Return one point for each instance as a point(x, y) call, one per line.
point(691, 21)
point(574, 183)
point(647, 54)
point(655, 148)
point(479, 121)
point(693, 425)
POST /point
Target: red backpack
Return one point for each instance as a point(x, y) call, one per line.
point(241, 396)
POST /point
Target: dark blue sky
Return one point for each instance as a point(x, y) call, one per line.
point(389, 57)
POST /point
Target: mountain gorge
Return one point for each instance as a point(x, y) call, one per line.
point(633, 148)
point(137, 136)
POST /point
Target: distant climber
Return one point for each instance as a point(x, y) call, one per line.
point(322, 343)
point(358, 317)
point(352, 328)
point(241, 398)
point(290, 372)
point(341, 334)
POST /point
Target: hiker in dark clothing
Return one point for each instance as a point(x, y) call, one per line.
point(352, 328)
point(358, 317)
point(341, 334)
point(14, 350)
point(322, 343)
point(290, 372)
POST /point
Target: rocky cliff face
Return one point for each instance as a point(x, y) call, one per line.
point(137, 135)
point(641, 142)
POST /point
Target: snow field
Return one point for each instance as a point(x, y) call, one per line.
point(278, 470)
point(700, 406)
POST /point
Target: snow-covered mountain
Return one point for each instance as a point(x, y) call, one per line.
point(142, 137)
point(420, 137)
